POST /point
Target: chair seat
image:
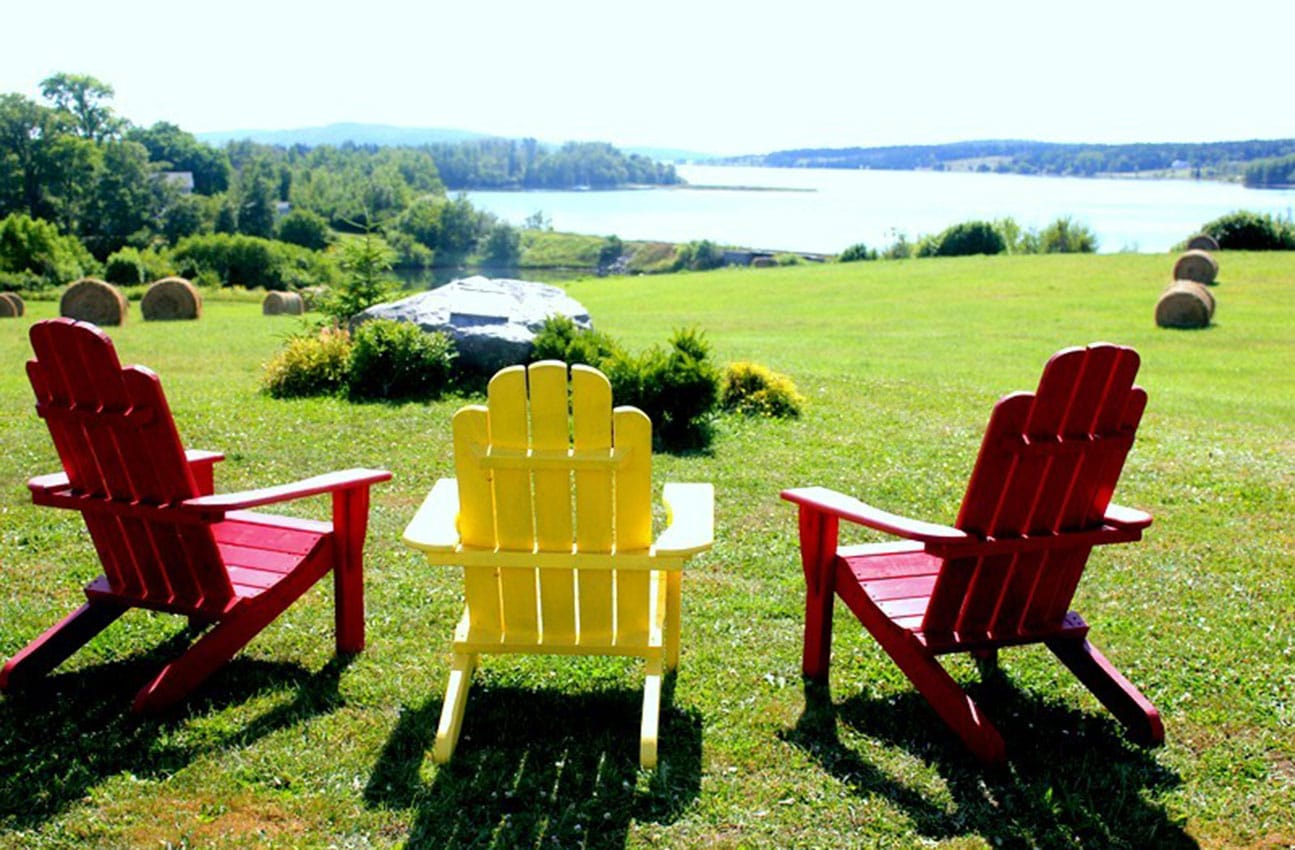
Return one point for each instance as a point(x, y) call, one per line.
point(259, 551)
point(898, 580)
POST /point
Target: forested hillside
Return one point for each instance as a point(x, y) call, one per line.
point(1213, 159)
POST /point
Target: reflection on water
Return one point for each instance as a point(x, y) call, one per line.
point(838, 208)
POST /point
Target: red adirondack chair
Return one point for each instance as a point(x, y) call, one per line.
point(165, 541)
point(1037, 502)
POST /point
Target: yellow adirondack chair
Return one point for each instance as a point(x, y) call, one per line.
point(553, 527)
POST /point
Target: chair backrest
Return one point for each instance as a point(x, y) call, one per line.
point(120, 450)
point(1048, 465)
point(549, 468)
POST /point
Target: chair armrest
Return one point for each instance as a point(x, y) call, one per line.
point(48, 483)
point(690, 509)
point(848, 508)
point(200, 466)
point(434, 527)
point(1129, 518)
point(216, 506)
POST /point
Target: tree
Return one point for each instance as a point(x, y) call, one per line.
point(256, 208)
point(503, 246)
point(184, 216)
point(127, 203)
point(304, 228)
point(85, 99)
point(175, 150)
point(366, 262)
point(458, 232)
point(27, 162)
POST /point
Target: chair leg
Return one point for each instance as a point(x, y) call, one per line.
point(350, 523)
point(177, 679)
point(673, 625)
point(986, 662)
point(58, 643)
point(456, 700)
point(950, 702)
point(1110, 687)
point(651, 715)
point(818, 536)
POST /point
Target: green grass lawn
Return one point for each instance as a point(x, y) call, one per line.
point(901, 362)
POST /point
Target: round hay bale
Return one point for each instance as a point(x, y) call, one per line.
point(282, 304)
point(11, 305)
point(1200, 289)
point(313, 296)
point(1185, 304)
point(1197, 265)
point(1203, 242)
point(92, 300)
point(169, 299)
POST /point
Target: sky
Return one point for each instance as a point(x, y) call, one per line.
point(716, 77)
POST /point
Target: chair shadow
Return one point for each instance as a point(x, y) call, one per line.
point(62, 736)
point(519, 781)
point(1072, 779)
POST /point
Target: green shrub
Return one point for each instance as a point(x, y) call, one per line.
point(964, 239)
point(759, 391)
point(678, 389)
point(398, 360)
point(699, 256)
point(23, 281)
point(309, 365)
point(856, 252)
point(305, 228)
point(560, 339)
point(35, 246)
point(1065, 236)
point(1249, 231)
point(250, 261)
point(124, 268)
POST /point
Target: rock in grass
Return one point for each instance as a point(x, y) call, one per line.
point(493, 321)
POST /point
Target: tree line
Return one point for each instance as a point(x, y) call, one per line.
point(1208, 159)
point(70, 162)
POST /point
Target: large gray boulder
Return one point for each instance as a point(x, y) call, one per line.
point(493, 321)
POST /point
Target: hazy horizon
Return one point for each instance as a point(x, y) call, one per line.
point(686, 75)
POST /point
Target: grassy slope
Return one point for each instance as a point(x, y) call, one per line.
point(901, 362)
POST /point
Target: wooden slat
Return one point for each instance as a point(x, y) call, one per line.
point(554, 529)
point(471, 427)
point(633, 520)
point(514, 509)
point(591, 406)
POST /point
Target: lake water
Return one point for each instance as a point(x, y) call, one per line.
point(826, 210)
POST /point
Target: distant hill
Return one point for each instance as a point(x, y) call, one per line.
point(382, 135)
point(1185, 159)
